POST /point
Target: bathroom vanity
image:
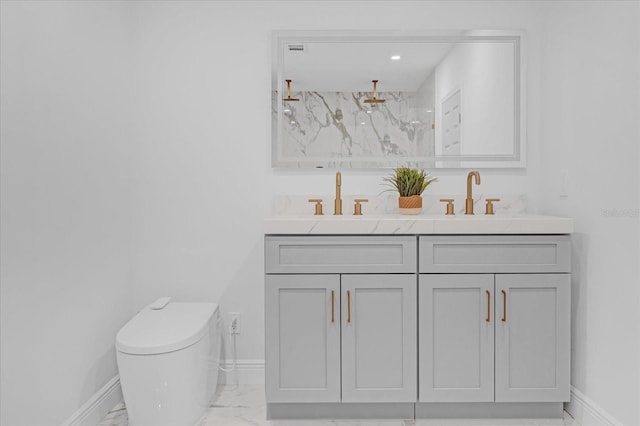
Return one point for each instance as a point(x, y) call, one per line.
point(423, 322)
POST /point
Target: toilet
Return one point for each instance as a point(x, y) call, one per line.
point(168, 357)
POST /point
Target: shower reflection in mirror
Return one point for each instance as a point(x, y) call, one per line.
point(442, 103)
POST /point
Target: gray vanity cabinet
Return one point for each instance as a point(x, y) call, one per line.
point(467, 338)
point(356, 325)
point(303, 338)
point(456, 337)
point(502, 337)
point(533, 338)
point(336, 334)
point(379, 338)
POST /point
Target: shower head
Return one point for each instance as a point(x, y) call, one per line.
point(289, 98)
point(374, 99)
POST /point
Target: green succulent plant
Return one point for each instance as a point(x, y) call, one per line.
point(408, 181)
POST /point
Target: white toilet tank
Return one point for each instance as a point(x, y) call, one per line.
point(168, 357)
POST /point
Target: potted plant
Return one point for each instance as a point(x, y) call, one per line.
point(410, 183)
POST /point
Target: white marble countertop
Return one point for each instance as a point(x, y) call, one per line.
point(293, 215)
point(398, 224)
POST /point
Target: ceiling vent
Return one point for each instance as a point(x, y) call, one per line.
point(296, 47)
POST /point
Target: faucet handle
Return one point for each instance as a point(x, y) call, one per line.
point(318, 202)
point(489, 208)
point(357, 208)
point(450, 206)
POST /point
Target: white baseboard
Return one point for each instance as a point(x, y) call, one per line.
point(249, 372)
point(94, 410)
point(586, 412)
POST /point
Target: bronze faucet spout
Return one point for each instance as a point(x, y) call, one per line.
point(337, 204)
point(469, 202)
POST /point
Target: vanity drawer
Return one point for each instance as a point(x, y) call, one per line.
point(340, 254)
point(495, 253)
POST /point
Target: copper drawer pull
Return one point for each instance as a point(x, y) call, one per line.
point(504, 306)
point(333, 306)
point(488, 306)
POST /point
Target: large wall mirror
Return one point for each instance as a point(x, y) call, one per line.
point(383, 99)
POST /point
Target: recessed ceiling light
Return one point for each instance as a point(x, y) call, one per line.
point(395, 58)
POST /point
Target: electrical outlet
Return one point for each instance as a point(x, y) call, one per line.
point(234, 323)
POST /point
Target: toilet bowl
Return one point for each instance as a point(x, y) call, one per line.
point(168, 357)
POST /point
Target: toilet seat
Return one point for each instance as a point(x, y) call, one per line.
point(157, 331)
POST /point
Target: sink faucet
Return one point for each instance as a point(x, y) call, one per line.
point(469, 204)
point(337, 204)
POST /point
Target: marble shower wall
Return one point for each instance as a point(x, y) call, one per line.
point(332, 129)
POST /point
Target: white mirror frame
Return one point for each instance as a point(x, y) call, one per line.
point(281, 39)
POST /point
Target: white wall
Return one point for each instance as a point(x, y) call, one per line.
point(426, 113)
point(484, 75)
point(591, 113)
point(66, 204)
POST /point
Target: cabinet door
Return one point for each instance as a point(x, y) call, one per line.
point(302, 350)
point(379, 338)
point(456, 324)
point(533, 337)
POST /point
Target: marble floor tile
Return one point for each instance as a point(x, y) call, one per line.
point(567, 420)
point(341, 423)
point(244, 405)
point(237, 405)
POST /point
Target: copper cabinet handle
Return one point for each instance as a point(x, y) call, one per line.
point(504, 306)
point(333, 306)
point(488, 306)
point(348, 306)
